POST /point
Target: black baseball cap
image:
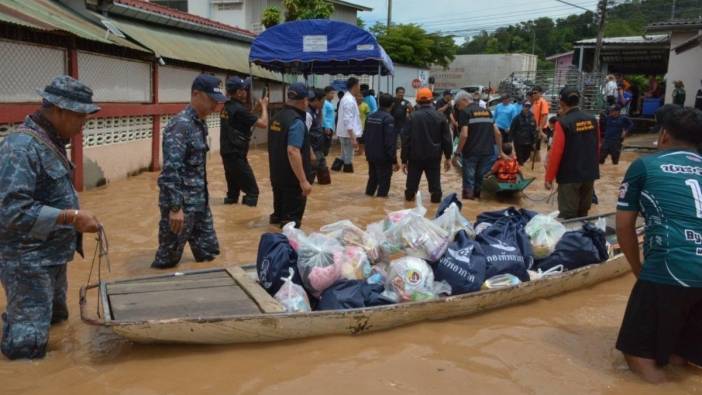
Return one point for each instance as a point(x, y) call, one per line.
point(236, 83)
point(298, 91)
point(211, 85)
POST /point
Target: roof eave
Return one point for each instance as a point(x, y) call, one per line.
point(152, 17)
point(351, 5)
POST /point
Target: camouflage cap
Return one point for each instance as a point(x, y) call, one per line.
point(70, 94)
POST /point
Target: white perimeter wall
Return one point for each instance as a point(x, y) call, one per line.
point(686, 66)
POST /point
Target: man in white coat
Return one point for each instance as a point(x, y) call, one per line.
point(348, 126)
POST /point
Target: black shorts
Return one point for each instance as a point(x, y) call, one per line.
point(662, 320)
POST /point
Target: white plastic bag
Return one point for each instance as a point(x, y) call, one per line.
point(419, 237)
point(452, 221)
point(315, 258)
point(396, 216)
point(501, 281)
point(292, 296)
point(544, 232)
point(538, 274)
point(353, 263)
point(349, 234)
point(409, 279)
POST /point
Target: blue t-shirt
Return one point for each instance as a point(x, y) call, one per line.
point(328, 115)
point(504, 114)
point(370, 100)
point(616, 126)
point(666, 188)
point(296, 134)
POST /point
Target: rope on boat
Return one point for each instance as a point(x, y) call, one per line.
point(102, 249)
point(549, 199)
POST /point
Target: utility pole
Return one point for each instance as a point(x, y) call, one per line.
point(601, 12)
point(533, 40)
point(389, 14)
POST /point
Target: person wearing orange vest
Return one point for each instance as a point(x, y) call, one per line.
point(506, 169)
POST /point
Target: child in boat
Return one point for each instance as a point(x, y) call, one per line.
point(506, 170)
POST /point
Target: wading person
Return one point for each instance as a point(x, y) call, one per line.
point(505, 112)
point(381, 148)
point(616, 128)
point(236, 129)
point(183, 196)
point(524, 133)
point(328, 125)
point(318, 138)
point(679, 93)
point(573, 159)
point(40, 221)
point(425, 139)
point(348, 127)
point(663, 319)
point(401, 109)
point(540, 109)
point(289, 158)
point(479, 136)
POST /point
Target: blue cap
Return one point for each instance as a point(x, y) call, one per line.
point(298, 91)
point(210, 85)
point(236, 83)
point(70, 94)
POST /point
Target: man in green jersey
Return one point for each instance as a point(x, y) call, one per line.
point(663, 319)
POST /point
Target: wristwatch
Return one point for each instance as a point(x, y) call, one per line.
point(175, 209)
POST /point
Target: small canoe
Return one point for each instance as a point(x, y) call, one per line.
point(227, 305)
point(493, 186)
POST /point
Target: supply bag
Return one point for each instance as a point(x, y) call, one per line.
point(349, 234)
point(544, 231)
point(452, 222)
point(409, 279)
point(353, 263)
point(577, 249)
point(275, 257)
point(352, 294)
point(292, 295)
point(463, 266)
point(510, 232)
point(502, 253)
point(419, 237)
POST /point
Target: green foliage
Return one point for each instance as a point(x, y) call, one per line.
point(410, 44)
point(548, 36)
point(360, 23)
point(307, 9)
point(271, 17)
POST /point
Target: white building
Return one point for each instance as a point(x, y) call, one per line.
point(685, 61)
point(485, 70)
point(246, 14)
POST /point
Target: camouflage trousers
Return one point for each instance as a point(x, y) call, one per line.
point(198, 231)
point(36, 298)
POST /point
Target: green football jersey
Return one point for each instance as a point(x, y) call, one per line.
point(666, 188)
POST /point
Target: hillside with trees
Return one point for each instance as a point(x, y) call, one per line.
point(546, 36)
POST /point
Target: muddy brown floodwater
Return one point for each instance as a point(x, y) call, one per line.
point(559, 345)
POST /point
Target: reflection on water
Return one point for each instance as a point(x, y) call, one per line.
point(553, 346)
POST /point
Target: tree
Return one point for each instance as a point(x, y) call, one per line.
point(410, 44)
point(360, 23)
point(307, 9)
point(271, 17)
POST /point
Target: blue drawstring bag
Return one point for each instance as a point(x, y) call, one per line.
point(512, 231)
point(352, 294)
point(502, 251)
point(463, 265)
point(576, 249)
point(519, 216)
point(275, 257)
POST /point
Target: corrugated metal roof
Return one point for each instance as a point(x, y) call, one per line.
point(675, 24)
point(193, 47)
point(653, 39)
point(50, 16)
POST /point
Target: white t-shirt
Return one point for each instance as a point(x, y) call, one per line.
point(611, 88)
point(349, 117)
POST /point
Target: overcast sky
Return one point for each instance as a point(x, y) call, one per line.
point(467, 17)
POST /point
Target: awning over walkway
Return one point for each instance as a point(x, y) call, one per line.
point(192, 47)
point(50, 16)
point(637, 54)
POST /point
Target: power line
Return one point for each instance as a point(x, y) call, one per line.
point(573, 5)
point(514, 14)
point(487, 27)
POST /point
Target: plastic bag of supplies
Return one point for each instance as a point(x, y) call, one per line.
point(292, 296)
point(544, 233)
point(411, 279)
point(350, 235)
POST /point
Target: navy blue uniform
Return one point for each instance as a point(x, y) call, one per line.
point(381, 152)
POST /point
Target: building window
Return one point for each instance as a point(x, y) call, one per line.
point(181, 5)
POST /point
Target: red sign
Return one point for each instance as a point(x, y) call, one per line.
point(416, 83)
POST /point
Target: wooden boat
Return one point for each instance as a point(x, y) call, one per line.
point(493, 186)
point(226, 305)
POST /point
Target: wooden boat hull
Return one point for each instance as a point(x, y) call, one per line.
point(283, 326)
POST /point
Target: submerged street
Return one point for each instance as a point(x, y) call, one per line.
point(558, 345)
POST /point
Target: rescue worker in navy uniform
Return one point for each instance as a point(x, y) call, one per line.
point(236, 129)
point(183, 197)
point(289, 158)
point(574, 156)
point(425, 138)
point(40, 220)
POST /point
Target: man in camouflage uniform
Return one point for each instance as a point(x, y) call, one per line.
point(183, 198)
point(40, 224)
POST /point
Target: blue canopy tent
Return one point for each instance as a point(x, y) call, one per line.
point(319, 46)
